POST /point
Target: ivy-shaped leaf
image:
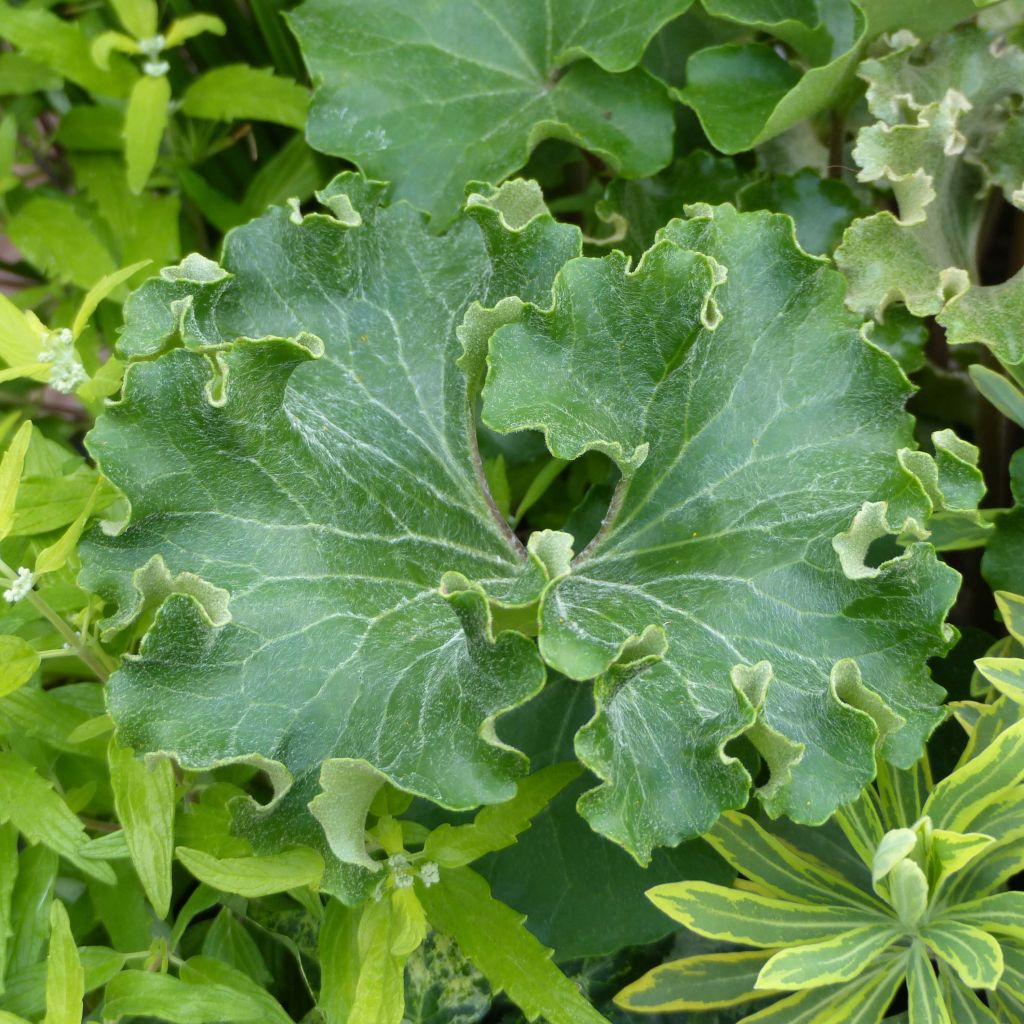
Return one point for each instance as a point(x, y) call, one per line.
point(432, 96)
point(752, 425)
point(296, 503)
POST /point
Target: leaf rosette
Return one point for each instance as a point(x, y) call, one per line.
point(328, 579)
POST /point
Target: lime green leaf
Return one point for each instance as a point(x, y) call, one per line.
point(840, 958)
point(973, 954)
point(42, 228)
point(497, 827)
point(20, 76)
point(30, 912)
point(20, 343)
point(895, 846)
point(60, 44)
point(139, 17)
point(18, 663)
point(144, 123)
point(378, 997)
point(494, 938)
point(29, 802)
point(65, 980)
point(144, 798)
point(924, 995)
point(339, 960)
point(26, 987)
point(958, 798)
point(754, 920)
point(11, 466)
point(255, 876)
point(183, 29)
point(463, 92)
point(367, 573)
point(705, 982)
point(207, 974)
point(238, 92)
point(110, 42)
point(99, 291)
point(8, 874)
point(140, 993)
point(721, 392)
point(56, 555)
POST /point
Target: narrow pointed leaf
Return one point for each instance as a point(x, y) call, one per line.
point(144, 124)
point(255, 876)
point(973, 954)
point(65, 979)
point(830, 962)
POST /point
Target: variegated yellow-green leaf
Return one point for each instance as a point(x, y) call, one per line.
point(748, 918)
point(706, 982)
point(829, 962)
point(972, 953)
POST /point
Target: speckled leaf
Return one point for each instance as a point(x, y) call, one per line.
point(728, 590)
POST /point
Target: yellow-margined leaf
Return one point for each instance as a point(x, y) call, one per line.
point(720, 913)
point(964, 1004)
point(779, 868)
point(957, 799)
point(975, 956)
point(908, 891)
point(924, 995)
point(953, 851)
point(1002, 914)
point(836, 960)
point(1005, 674)
point(707, 982)
point(1011, 607)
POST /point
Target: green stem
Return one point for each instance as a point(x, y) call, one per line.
point(541, 482)
point(95, 660)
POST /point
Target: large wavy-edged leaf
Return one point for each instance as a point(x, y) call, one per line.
point(295, 504)
point(432, 95)
point(727, 591)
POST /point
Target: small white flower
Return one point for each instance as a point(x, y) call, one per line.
point(430, 874)
point(67, 371)
point(20, 586)
point(403, 880)
point(153, 45)
point(156, 68)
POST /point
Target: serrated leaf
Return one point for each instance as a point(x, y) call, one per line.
point(494, 938)
point(315, 599)
point(732, 915)
point(463, 91)
point(742, 337)
point(237, 92)
point(144, 798)
point(29, 802)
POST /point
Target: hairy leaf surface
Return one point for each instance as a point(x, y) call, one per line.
point(295, 515)
point(752, 425)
